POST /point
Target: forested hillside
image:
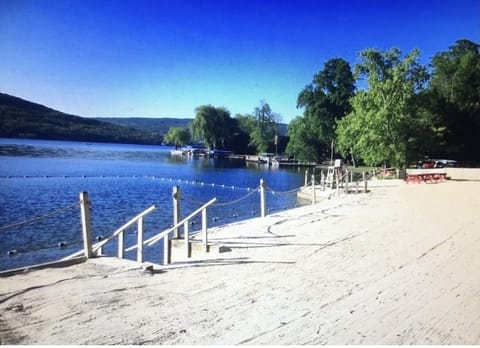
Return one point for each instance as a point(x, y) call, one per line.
point(158, 126)
point(20, 118)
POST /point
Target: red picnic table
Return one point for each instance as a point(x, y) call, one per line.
point(430, 175)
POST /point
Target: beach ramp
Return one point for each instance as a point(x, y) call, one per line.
point(398, 265)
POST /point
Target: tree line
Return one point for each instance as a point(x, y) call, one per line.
point(249, 133)
point(388, 109)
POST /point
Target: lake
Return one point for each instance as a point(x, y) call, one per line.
point(39, 177)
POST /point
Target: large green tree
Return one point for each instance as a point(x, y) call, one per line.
point(383, 118)
point(455, 98)
point(325, 101)
point(212, 125)
point(265, 127)
point(177, 136)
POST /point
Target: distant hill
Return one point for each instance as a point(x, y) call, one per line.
point(161, 125)
point(158, 126)
point(20, 118)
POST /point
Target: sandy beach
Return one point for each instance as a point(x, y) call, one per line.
point(398, 265)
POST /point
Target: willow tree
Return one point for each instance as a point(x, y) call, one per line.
point(381, 122)
point(211, 125)
point(177, 136)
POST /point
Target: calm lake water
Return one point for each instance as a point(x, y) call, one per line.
point(39, 177)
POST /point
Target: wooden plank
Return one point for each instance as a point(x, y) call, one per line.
point(186, 237)
point(121, 245)
point(86, 226)
point(156, 238)
point(140, 256)
point(99, 245)
point(204, 230)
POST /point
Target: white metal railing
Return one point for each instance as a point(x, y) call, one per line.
point(185, 222)
point(90, 250)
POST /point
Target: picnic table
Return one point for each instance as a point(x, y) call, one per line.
point(430, 175)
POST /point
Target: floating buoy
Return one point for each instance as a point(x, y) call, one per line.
point(99, 238)
point(254, 212)
point(62, 244)
point(12, 252)
point(215, 218)
point(192, 222)
point(235, 215)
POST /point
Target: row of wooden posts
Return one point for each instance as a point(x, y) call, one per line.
point(91, 250)
point(339, 180)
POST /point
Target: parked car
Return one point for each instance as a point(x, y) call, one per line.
point(436, 163)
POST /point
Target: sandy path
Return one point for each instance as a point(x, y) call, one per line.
point(398, 266)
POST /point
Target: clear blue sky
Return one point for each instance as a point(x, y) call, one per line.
point(164, 58)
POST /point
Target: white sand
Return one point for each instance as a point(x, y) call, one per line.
point(397, 266)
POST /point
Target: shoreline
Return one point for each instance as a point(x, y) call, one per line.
point(394, 266)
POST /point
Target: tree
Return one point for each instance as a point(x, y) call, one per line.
point(177, 136)
point(245, 126)
point(265, 127)
point(212, 125)
point(455, 97)
point(301, 144)
point(326, 100)
point(381, 122)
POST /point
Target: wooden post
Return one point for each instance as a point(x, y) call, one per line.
point(186, 237)
point(167, 250)
point(204, 230)
point(263, 201)
point(347, 177)
point(121, 245)
point(86, 225)
point(357, 187)
point(337, 182)
point(306, 177)
point(176, 210)
point(313, 190)
point(140, 240)
point(364, 181)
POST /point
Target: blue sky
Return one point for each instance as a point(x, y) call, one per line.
point(164, 58)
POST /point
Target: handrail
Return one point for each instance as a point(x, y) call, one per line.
point(98, 245)
point(119, 230)
point(152, 240)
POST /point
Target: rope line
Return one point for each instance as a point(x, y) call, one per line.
point(153, 177)
point(219, 204)
point(223, 204)
point(38, 218)
point(295, 190)
point(45, 247)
